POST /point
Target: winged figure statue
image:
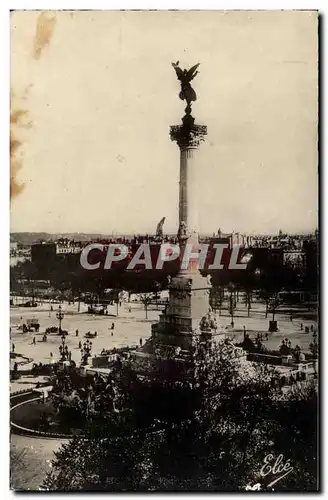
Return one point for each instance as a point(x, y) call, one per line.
point(187, 93)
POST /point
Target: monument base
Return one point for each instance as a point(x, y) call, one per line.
point(188, 302)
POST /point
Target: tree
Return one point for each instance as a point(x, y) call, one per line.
point(145, 299)
point(119, 294)
point(274, 303)
point(207, 431)
point(267, 302)
point(217, 298)
point(237, 291)
point(248, 300)
point(156, 287)
point(296, 417)
point(314, 346)
point(104, 464)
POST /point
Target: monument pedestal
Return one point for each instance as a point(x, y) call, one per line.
point(188, 303)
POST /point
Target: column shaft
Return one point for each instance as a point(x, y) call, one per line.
point(188, 193)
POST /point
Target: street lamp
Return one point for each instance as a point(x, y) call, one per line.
point(231, 288)
point(60, 316)
point(117, 301)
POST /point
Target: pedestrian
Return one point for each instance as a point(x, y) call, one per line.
point(140, 342)
point(111, 334)
point(76, 333)
point(112, 327)
point(96, 334)
point(80, 344)
point(311, 328)
point(129, 309)
point(34, 341)
point(301, 326)
point(13, 348)
point(51, 355)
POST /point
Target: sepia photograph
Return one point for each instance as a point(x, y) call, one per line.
point(164, 251)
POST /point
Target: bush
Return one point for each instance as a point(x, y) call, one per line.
point(213, 429)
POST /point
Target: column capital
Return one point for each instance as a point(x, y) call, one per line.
point(188, 135)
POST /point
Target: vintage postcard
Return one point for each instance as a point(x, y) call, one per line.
point(164, 331)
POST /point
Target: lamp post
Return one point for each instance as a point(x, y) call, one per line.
point(117, 301)
point(273, 303)
point(231, 289)
point(60, 316)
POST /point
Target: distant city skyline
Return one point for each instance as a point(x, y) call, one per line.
point(100, 96)
point(76, 235)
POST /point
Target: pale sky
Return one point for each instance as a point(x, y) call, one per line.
point(102, 94)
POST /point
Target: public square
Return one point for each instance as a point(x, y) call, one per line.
point(130, 327)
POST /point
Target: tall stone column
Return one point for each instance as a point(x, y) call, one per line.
point(188, 136)
point(188, 292)
point(188, 192)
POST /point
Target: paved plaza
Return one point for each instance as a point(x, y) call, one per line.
point(30, 460)
point(132, 326)
point(128, 329)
